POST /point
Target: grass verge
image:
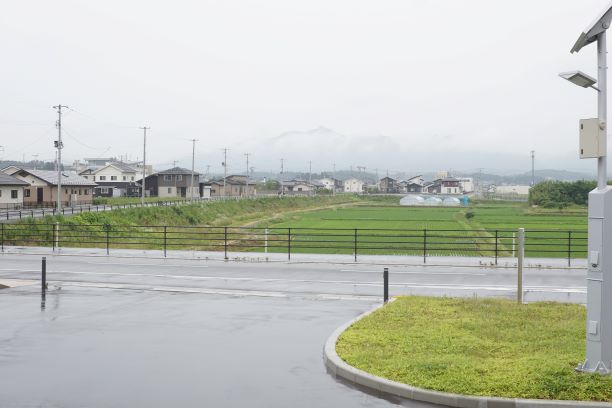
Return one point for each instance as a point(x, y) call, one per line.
point(486, 347)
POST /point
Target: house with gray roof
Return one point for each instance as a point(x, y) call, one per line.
point(115, 179)
point(11, 191)
point(42, 187)
point(174, 182)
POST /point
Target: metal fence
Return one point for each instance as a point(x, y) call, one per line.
point(424, 243)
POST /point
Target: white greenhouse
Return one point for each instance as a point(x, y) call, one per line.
point(412, 200)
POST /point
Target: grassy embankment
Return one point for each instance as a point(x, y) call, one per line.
point(478, 347)
point(143, 227)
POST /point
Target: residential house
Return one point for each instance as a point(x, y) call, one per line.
point(387, 185)
point(115, 179)
point(174, 182)
point(353, 185)
point(331, 184)
point(234, 186)
point(297, 187)
point(448, 185)
point(467, 184)
point(42, 188)
point(11, 191)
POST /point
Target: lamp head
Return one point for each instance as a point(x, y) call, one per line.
point(579, 78)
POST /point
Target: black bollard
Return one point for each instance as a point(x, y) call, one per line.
point(386, 284)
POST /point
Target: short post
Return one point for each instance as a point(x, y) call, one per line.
point(107, 228)
point(496, 243)
point(225, 242)
point(569, 248)
point(289, 244)
point(266, 242)
point(56, 236)
point(43, 275)
point(521, 256)
point(355, 245)
point(425, 245)
point(386, 285)
point(165, 238)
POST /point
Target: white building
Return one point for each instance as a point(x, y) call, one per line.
point(11, 191)
point(353, 185)
point(466, 184)
point(512, 189)
point(331, 184)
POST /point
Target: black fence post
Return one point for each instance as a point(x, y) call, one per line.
point(355, 252)
point(43, 275)
point(165, 237)
point(569, 248)
point(386, 284)
point(496, 242)
point(289, 244)
point(425, 245)
point(225, 240)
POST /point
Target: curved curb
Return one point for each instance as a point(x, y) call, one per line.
point(341, 369)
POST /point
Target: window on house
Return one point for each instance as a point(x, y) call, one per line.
point(124, 178)
point(104, 190)
point(169, 190)
point(26, 192)
point(168, 177)
point(85, 177)
point(79, 191)
point(113, 178)
point(66, 191)
point(14, 194)
point(132, 178)
point(102, 178)
point(179, 177)
point(0, 193)
point(86, 191)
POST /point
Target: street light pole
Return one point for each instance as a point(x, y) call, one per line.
point(144, 164)
point(599, 283)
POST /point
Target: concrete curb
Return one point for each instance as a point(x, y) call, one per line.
point(341, 369)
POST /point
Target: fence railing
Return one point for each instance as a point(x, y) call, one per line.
point(424, 243)
point(34, 212)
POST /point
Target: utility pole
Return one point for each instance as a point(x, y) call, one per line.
point(225, 171)
point(282, 167)
point(144, 164)
point(59, 145)
point(532, 168)
point(247, 174)
point(310, 171)
point(334, 180)
point(192, 165)
point(35, 156)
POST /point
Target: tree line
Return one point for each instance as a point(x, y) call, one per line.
point(560, 194)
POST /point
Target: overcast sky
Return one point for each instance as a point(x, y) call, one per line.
point(406, 85)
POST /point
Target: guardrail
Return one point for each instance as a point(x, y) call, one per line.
point(8, 215)
point(354, 242)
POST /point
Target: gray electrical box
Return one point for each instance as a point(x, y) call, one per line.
point(592, 138)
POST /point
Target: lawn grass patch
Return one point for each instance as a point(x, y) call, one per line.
point(485, 347)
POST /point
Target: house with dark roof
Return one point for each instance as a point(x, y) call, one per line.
point(174, 182)
point(42, 187)
point(115, 179)
point(388, 185)
point(11, 191)
point(232, 186)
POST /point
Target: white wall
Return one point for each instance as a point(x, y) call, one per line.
point(5, 195)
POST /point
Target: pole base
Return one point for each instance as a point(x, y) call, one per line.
point(599, 368)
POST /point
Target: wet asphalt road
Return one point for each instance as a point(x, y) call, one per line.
point(139, 332)
point(282, 279)
point(94, 347)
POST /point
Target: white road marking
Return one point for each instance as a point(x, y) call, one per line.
point(414, 273)
point(145, 264)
